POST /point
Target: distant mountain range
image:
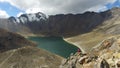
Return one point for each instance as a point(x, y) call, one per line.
point(60, 24)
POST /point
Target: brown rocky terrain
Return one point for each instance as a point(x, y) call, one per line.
point(29, 57)
point(104, 55)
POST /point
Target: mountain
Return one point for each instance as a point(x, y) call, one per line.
point(29, 18)
point(29, 23)
point(29, 57)
point(60, 24)
point(112, 24)
point(83, 30)
point(109, 27)
point(9, 40)
point(55, 25)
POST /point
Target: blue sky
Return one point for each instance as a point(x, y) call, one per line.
point(115, 4)
point(14, 7)
point(11, 10)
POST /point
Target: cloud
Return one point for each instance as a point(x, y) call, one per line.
point(3, 0)
point(3, 14)
point(60, 6)
point(33, 10)
point(97, 8)
point(20, 13)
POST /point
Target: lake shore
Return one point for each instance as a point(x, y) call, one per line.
point(65, 39)
point(74, 43)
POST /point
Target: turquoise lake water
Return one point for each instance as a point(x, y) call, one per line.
point(55, 45)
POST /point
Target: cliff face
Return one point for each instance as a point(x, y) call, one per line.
point(71, 24)
point(29, 57)
point(9, 40)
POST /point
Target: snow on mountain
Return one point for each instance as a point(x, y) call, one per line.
point(25, 18)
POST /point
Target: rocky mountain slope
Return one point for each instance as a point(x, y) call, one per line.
point(109, 27)
point(104, 55)
point(29, 57)
point(9, 40)
point(18, 52)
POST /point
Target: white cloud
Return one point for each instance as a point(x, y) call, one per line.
point(97, 8)
point(60, 6)
point(5, 1)
point(1, 0)
point(19, 14)
point(33, 10)
point(3, 14)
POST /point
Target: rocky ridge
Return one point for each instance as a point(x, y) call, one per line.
point(104, 55)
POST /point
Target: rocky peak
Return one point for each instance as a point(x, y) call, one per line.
point(32, 17)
